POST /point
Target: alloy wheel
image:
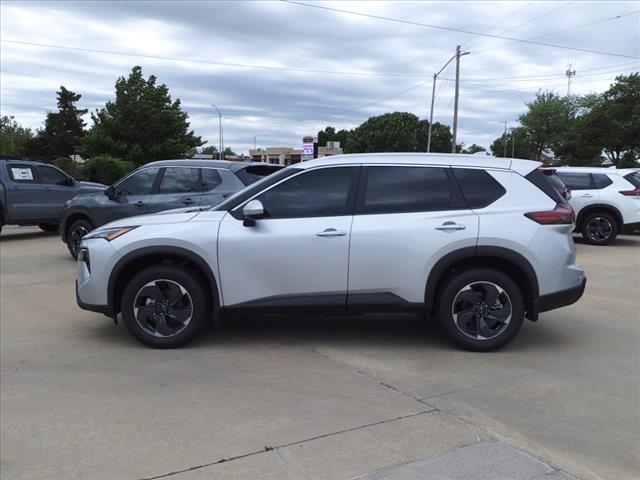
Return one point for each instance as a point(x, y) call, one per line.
point(599, 229)
point(481, 310)
point(163, 308)
point(75, 237)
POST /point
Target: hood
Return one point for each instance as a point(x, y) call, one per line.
point(91, 185)
point(198, 209)
point(152, 219)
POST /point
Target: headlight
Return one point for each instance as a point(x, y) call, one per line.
point(109, 233)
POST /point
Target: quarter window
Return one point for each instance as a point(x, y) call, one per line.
point(478, 187)
point(180, 180)
point(210, 179)
point(22, 173)
point(316, 193)
point(52, 176)
point(576, 181)
point(405, 189)
point(140, 183)
point(600, 180)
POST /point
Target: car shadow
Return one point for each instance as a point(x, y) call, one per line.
point(13, 235)
point(632, 240)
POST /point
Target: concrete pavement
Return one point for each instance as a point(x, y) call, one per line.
point(373, 397)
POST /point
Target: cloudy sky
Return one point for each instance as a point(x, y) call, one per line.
point(279, 71)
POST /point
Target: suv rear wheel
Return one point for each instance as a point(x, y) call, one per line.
point(481, 309)
point(77, 230)
point(164, 306)
point(599, 228)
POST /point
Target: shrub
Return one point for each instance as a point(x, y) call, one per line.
point(106, 169)
point(69, 166)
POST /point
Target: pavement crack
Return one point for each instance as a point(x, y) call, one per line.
point(285, 445)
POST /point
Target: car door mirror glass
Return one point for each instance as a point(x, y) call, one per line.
point(251, 212)
point(110, 192)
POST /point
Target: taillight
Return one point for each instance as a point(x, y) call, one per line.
point(561, 214)
point(631, 193)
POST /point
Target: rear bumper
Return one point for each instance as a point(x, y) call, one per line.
point(562, 298)
point(631, 227)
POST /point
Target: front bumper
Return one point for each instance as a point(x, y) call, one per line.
point(104, 309)
point(562, 298)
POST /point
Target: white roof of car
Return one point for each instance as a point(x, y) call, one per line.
point(449, 159)
point(616, 171)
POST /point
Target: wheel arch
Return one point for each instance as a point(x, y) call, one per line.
point(132, 263)
point(599, 207)
point(77, 215)
point(505, 260)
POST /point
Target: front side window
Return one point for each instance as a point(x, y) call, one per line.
point(405, 189)
point(323, 192)
point(52, 176)
point(21, 173)
point(576, 181)
point(140, 183)
point(180, 180)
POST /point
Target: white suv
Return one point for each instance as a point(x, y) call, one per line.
point(479, 242)
point(606, 201)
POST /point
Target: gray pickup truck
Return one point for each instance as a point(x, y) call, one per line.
point(33, 193)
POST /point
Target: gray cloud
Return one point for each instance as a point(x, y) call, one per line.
point(279, 107)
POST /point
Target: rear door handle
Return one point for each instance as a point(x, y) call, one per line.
point(331, 232)
point(450, 226)
point(139, 204)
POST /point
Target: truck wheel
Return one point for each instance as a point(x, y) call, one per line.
point(49, 227)
point(77, 230)
point(599, 228)
point(481, 309)
point(164, 306)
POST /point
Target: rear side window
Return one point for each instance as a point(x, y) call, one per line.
point(180, 180)
point(210, 179)
point(478, 187)
point(633, 179)
point(405, 189)
point(541, 181)
point(600, 180)
point(21, 173)
point(576, 181)
point(254, 173)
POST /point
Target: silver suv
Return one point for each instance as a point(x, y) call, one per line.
point(480, 243)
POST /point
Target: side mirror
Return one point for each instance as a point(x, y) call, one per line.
point(251, 212)
point(110, 192)
point(70, 181)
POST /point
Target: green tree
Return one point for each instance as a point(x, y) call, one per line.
point(142, 124)
point(548, 121)
point(106, 169)
point(517, 142)
point(441, 137)
point(63, 130)
point(474, 148)
point(14, 139)
point(329, 134)
point(210, 150)
point(391, 132)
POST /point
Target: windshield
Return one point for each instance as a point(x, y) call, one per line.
point(248, 192)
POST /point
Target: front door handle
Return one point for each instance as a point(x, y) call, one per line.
point(188, 201)
point(451, 226)
point(331, 232)
point(587, 195)
point(139, 204)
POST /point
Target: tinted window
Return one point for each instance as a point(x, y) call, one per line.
point(140, 183)
point(242, 195)
point(633, 178)
point(555, 181)
point(478, 187)
point(600, 180)
point(254, 173)
point(21, 173)
point(576, 181)
point(210, 179)
point(405, 189)
point(52, 176)
point(180, 180)
point(317, 193)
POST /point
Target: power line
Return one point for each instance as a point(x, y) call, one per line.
point(460, 30)
point(208, 62)
point(497, 23)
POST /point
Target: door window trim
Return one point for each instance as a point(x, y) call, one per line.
point(236, 212)
point(456, 200)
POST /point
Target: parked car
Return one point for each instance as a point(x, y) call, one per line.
point(552, 175)
point(158, 186)
point(606, 201)
point(478, 242)
point(33, 193)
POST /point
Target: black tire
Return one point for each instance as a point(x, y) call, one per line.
point(464, 292)
point(156, 329)
point(599, 228)
point(49, 227)
point(76, 231)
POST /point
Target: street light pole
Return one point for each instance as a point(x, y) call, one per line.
point(433, 97)
point(457, 94)
point(219, 131)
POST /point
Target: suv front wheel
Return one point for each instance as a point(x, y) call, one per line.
point(599, 228)
point(164, 306)
point(481, 309)
point(77, 230)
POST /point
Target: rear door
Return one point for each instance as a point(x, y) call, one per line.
point(24, 192)
point(407, 217)
point(57, 189)
point(218, 184)
point(583, 190)
point(179, 187)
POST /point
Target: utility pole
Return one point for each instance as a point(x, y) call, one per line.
point(506, 139)
point(222, 141)
point(455, 103)
point(513, 142)
point(433, 97)
point(219, 131)
point(255, 143)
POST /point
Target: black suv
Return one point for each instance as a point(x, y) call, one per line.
point(158, 186)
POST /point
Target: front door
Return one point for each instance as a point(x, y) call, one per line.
point(131, 196)
point(57, 189)
point(24, 192)
point(298, 255)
